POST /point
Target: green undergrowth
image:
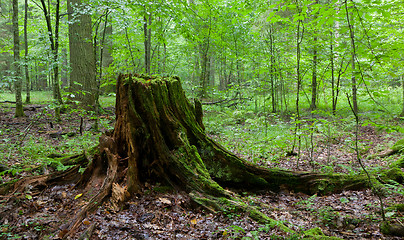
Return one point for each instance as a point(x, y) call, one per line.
point(22, 150)
point(252, 134)
point(37, 97)
point(34, 153)
point(45, 97)
point(264, 137)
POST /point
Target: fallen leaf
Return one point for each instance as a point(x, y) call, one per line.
point(165, 201)
point(62, 233)
point(86, 222)
point(78, 196)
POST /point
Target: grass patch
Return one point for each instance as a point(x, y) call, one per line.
point(37, 97)
point(45, 97)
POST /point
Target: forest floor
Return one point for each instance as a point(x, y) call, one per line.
point(160, 213)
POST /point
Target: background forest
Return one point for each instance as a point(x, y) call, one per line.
point(281, 55)
point(313, 85)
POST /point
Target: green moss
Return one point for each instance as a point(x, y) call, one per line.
point(397, 207)
point(163, 189)
point(316, 233)
point(394, 173)
point(400, 163)
point(313, 232)
point(398, 146)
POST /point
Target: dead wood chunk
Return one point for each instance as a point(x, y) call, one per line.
point(392, 229)
point(118, 196)
point(387, 153)
point(32, 107)
point(55, 134)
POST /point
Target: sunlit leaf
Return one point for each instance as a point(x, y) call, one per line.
point(86, 222)
point(78, 196)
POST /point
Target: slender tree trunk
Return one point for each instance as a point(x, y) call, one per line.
point(19, 111)
point(56, 86)
point(334, 102)
point(314, 94)
point(204, 54)
point(272, 67)
point(147, 42)
point(402, 86)
point(313, 104)
point(98, 76)
point(204, 76)
point(349, 17)
point(299, 39)
point(299, 82)
point(54, 44)
point(27, 79)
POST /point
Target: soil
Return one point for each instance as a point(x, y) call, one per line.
point(161, 213)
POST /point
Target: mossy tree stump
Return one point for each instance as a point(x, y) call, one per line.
point(159, 136)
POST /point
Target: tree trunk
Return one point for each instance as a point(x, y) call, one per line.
point(334, 102)
point(272, 67)
point(147, 41)
point(27, 80)
point(349, 17)
point(19, 111)
point(313, 104)
point(54, 44)
point(402, 89)
point(204, 75)
point(83, 85)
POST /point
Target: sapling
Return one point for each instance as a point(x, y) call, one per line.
point(359, 160)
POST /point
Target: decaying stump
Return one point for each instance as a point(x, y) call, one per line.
point(159, 136)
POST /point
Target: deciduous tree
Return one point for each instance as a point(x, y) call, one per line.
point(19, 111)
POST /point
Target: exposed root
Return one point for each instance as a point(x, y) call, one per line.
point(103, 192)
point(36, 184)
point(236, 205)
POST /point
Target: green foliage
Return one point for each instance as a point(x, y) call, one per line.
point(328, 216)
point(398, 146)
point(242, 131)
point(6, 232)
point(37, 97)
point(32, 154)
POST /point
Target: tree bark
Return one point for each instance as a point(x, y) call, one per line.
point(147, 41)
point(313, 105)
point(19, 111)
point(402, 89)
point(54, 44)
point(83, 85)
point(27, 80)
point(349, 17)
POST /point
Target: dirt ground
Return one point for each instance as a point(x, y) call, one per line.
point(161, 213)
